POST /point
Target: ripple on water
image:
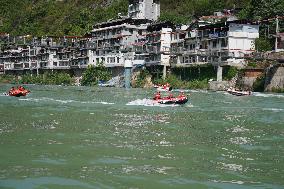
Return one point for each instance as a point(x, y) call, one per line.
point(241, 140)
point(273, 109)
point(222, 184)
point(230, 166)
point(51, 161)
point(108, 160)
point(238, 129)
point(6, 128)
point(46, 125)
point(30, 183)
point(146, 169)
point(254, 147)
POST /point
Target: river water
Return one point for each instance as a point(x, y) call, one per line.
point(61, 137)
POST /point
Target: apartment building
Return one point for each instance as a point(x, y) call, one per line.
point(144, 9)
point(115, 39)
point(47, 53)
point(224, 43)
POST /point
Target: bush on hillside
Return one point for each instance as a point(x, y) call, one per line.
point(258, 85)
point(93, 74)
point(47, 79)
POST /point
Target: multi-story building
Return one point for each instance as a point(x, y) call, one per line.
point(144, 9)
point(115, 39)
point(47, 53)
point(220, 44)
point(154, 47)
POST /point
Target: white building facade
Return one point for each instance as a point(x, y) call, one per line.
point(220, 44)
point(144, 9)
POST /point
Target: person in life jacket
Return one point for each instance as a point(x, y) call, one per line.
point(11, 90)
point(170, 96)
point(181, 95)
point(157, 95)
point(167, 85)
point(21, 88)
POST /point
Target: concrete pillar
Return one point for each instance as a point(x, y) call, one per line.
point(219, 73)
point(164, 72)
point(127, 73)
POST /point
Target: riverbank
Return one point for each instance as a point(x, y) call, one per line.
point(256, 77)
point(41, 79)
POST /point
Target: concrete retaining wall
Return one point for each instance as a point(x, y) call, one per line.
point(274, 78)
point(219, 85)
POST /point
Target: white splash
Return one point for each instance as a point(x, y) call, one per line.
point(148, 102)
point(268, 95)
point(45, 99)
point(240, 140)
point(238, 129)
point(231, 167)
point(273, 109)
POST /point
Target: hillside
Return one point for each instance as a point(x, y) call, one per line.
point(76, 17)
point(56, 17)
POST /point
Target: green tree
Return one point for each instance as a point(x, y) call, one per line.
point(93, 74)
point(261, 9)
point(262, 44)
point(89, 76)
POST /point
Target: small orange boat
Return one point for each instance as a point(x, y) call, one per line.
point(20, 91)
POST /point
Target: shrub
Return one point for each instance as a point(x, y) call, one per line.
point(277, 90)
point(47, 79)
point(175, 82)
point(93, 74)
point(258, 85)
point(141, 79)
point(7, 79)
point(229, 72)
point(263, 44)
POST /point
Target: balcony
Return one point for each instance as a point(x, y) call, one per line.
point(18, 66)
point(8, 66)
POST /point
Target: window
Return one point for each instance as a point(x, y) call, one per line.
point(224, 42)
point(214, 43)
point(131, 31)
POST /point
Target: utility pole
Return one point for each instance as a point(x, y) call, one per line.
point(276, 33)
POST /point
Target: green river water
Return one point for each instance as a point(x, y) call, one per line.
point(62, 137)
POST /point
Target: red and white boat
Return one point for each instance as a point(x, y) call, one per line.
point(163, 88)
point(18, 92)
point(172, 100)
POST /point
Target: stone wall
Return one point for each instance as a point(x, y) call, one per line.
point(249, 77)
point(247, 83)
point(274, 78)
point(219, 85)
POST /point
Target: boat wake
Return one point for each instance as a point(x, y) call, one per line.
point(4, 94)
point(45, 99)
point(273, 109)
point(148, 102)
point(190, 91)
point(268, 95)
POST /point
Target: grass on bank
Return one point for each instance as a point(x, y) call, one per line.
point(181, 84)
point(47, 79)
point(8, 79)
point(42, 79)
